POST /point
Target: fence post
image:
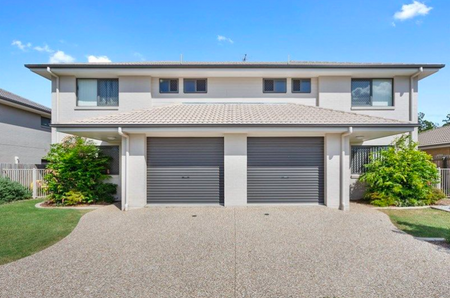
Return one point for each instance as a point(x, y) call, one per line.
point(34, 183)
point(440, 179)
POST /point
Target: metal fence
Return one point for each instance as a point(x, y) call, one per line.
point(360, 156)
point(33, 179)
point(444, 185)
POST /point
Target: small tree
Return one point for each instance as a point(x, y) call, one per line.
point(401, 176)
point(78, 173)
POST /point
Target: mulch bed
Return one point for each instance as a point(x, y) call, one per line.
point(443, 202)
point(51, 204)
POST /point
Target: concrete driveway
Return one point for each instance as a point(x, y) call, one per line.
point(232, 252)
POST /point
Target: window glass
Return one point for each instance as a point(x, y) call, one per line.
point(268, 85)
point(201, 85)
point(382, 92)
point(280, 86)
point(87, 92)
point(361, 93)
point(45, 122)
point(108, 92)
point(168, 85)
point(113, 153)
point(189, 85)
point(301, 85)
point(305, 86)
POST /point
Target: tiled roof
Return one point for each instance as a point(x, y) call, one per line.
point(239, 64)
point(434, 137)
point(238, 114)
point(11, 97)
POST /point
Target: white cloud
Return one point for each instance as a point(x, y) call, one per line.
point(412, 10)
point(139, 56)
point(98, 59)
point(20, 45)
point(45, 48)
point(221, 38)
point(61, 57)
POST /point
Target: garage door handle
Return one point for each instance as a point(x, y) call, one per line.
point(184, 177)
point(284, 177)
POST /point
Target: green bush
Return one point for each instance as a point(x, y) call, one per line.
point(12, 191)
point(401, 176)
point(78, 173)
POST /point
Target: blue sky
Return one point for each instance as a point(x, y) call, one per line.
point(356, 31)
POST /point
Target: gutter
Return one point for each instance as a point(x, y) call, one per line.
point(342, 170)
point(57, 93)
point(125, 172)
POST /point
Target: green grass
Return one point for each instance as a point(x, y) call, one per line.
point(422, 222)
point(25, 229)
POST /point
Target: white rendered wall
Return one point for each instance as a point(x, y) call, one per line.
point(137, 171)
point(332, 169)
point(235, 169)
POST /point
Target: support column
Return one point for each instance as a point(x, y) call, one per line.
point(137, 171)
point(332, 170)
point(235, 161)
point(346, 175)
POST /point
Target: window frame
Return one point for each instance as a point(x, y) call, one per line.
point(195, 79)
point(48, 127)
point(301, 79)
point(274, 79)
point(169, 79)
point(371, 93)
point(97, 79)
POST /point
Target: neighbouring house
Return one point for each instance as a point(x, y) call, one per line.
point(237, 133)
point(436, 142)
point(25, 126)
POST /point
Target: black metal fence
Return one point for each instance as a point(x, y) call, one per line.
point(360, 156)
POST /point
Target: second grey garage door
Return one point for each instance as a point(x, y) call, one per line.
point(185, 170)
point(285, 170)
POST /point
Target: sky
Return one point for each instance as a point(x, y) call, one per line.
point(403, 31)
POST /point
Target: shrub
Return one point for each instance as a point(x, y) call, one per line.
point(401, 176)
point(78, 173)
point(12, 191)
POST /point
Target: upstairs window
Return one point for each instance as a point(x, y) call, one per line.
point(372, 92)
point(195, 85)
point(168, 86)
point(274, 85)
point(97, 92)
point(301, 85)
point(45, 122)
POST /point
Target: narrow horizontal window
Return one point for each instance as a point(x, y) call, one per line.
point(45, 122)
point(274, 85)
point(195, 85)
point(372, 92)
point(97, 92)
point(168, 86)
point(301, 85)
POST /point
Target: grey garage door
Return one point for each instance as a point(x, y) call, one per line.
point(285, 170)
point(185, 170)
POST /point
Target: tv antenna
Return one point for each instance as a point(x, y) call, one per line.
point(245, 58)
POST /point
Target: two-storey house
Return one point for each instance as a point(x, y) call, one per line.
point(233, 134)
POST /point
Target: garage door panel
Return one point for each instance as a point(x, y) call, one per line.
point(185, 170)
point(285, 170)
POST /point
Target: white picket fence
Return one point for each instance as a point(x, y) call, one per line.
point(444, 185)
point(33, 179)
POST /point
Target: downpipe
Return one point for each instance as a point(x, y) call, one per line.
point(127, 154)
point(342, 171)
point(57, 93)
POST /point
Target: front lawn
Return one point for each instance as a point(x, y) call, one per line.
point(25, 229)
point(422, 222)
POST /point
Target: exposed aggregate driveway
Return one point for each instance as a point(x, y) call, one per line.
point(232, 252)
